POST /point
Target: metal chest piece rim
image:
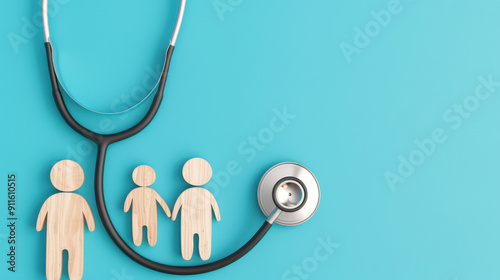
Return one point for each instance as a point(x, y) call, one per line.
point(286, 172)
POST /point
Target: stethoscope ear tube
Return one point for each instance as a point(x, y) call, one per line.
point(173, 38)
point(54, 80)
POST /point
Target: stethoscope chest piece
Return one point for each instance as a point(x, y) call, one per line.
point(293, 189)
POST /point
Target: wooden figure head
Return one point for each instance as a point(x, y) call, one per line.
point(144, 176)
point(67, 175)
point(197, 172)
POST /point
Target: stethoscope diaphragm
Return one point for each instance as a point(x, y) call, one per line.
point(293, 189)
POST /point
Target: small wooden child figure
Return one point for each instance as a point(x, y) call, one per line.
point(144, 201)
point(65, 214)
point(197, 204)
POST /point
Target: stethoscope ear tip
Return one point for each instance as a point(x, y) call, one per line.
point(288, 194)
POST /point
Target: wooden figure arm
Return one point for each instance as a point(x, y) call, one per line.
point(40, 222)
point(128, 202)
point(87, 215)
point(215, 206)
point(177, 206)
point(163, 204)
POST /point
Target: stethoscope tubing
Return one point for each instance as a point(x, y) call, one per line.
point(173, 40)
point(103, 141)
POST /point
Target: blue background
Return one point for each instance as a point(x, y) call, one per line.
point(353, 121)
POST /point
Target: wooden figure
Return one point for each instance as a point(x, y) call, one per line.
point(196, 214)
point(143, 200)
point(65, 214)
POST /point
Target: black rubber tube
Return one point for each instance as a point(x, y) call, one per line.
point(103, 141)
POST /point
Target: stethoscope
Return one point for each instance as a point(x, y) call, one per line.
point(288, 193)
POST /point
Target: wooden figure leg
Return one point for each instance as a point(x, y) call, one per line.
point(75, 262)
point(54, 259)
point(136, 231)
point(152, 233)
point(187, 245)
point(205, 244)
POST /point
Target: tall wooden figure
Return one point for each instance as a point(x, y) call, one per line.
point(143, 200)
point(65, 214)
point(196, 214)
